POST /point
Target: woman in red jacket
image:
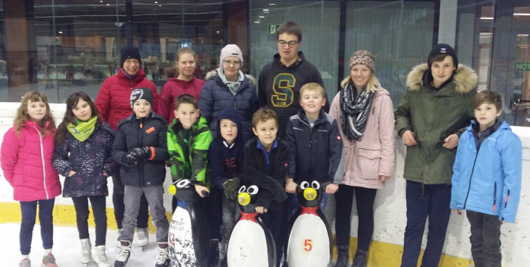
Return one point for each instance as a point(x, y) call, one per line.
point(113, 104)
point(26, 158)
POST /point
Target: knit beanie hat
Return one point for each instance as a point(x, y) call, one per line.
point(231, 50)
point(442, 49)
point(142, 93)
point(130, 52)
point(363, 57)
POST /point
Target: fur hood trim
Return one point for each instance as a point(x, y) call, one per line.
point(465, 78)
point(211, 74)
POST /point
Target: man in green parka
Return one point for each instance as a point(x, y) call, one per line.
point(432, 115)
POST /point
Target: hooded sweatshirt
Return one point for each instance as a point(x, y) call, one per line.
point(226, 160)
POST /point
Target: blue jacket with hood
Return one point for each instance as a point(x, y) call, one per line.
point(226, 161)
point(487, 171)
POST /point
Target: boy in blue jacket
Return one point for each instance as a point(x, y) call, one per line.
point(487, 177)
point(140, 147)
point(226, 163)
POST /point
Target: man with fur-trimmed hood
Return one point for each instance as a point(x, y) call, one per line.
point(432, 115)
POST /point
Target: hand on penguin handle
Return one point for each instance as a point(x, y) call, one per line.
point(290, 186)
point(202, 190)
point(332, 188)
point(261, 210)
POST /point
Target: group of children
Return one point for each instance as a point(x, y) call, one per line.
point(83, 149)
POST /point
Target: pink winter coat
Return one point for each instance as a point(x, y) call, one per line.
point(27, 163)
point(374, 154)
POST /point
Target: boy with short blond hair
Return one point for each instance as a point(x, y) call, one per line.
point(487, 177)
point(316, 146)
point(266, 165)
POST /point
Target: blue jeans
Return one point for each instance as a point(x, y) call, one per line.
point(426, 201)
point(29, 214)
point(99, 210)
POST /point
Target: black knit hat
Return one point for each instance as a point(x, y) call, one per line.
point(142, 93)
point(130, 52)
point(442, 49)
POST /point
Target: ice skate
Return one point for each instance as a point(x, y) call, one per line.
point(48, 261)
point(162, 258)
point(86, 252)
point(101, 257)
point(123, 256)
point(25, 263)
point(143, 237)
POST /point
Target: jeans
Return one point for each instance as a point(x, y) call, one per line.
point(364, 197)
point(425, 201)
point(231, 213)
point(29, 214)
point(154, 195)
point(119, 207)
point(99, 208)
point(485, 239)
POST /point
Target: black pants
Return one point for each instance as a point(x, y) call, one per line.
point(485, 239)
point(364, 197)
point(119, 206)
point(276, 220)
point(99, 209)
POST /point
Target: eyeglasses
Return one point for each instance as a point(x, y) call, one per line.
point(291, 44)
point(230, 63)
point(132, 61)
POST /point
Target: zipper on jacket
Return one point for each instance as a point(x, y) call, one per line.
point(141, 164)
point(471, 177)
point(43, 163)
point(494, 197)
point(507, 198)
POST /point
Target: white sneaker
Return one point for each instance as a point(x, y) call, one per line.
point(143, 237)
point(101, 257)
point(86, 251)
point(123, 256)
point(162, 258)
point(25, 263)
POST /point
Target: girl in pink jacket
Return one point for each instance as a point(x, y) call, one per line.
point(365, 114)
point(26, 160)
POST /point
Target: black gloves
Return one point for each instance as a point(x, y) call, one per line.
point(140, 151)
point(231, 186)
point(130, 160)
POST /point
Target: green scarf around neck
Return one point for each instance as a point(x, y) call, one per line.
point(83, 129)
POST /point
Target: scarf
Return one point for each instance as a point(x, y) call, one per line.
point(233, 86)
point(355, 110)
point(83, 129)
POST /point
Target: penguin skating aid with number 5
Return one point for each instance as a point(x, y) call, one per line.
point(251, 243)
point(310, 237)
point(188, 238)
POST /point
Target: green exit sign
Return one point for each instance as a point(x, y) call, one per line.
point(273, 28)
point(522, 66)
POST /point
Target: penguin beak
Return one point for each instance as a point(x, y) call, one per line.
point(243, 199)
point(172, 189)
point(310, 194)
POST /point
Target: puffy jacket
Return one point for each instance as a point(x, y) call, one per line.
point(215, 96)
point(89, 159)
point(173, 89)
point(432, 115)
point(316, 151)
point(27, 163)
point(133, 132)
point(374, 153)
point(189, 159)
point(113, 99)
point(487, 178)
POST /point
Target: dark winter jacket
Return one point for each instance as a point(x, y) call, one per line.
point(316, 152)
point(267, 170)
point(487, 172)
point(279, 87)
point(189, 158)
point(226, 161)
point(90, 159)
point(216, 96)
point(133, 132)
point(432, 115)
point(174, 88)
point(113, 99)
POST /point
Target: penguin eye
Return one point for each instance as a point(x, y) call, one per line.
point(183, 183)
point(242, 189)
point(253, 189)
point(315, 185)
point(304, 185)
